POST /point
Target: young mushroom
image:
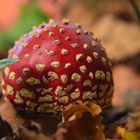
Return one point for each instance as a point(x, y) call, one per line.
point(60, 64)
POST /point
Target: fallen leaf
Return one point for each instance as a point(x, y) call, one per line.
point(60, 134)
point(9, 114)
point(26, 134)
point(83, 122)
point(92, 108)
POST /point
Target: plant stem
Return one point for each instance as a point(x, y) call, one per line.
point(134, 5)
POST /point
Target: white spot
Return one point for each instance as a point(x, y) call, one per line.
point(64, 51)
point(85, 45)
point(76, 77)
point(91, 75)
point(25, 71)
point(87, 83)
point(55, 64)
point(93, 43)
point(99, 75)
point(67, 65)
point(12, 75)
point(67, 38)
point(104, 60)
point(26, 93)
point(49, 53)
point(56, 42)
point(74, 45)
point(79, 56)
point(61, 30)
point(26, 55)
point(89, 95)
point(89, 59)
point(52, 75)
point(65, 21)
point(75, 94)
point(33, 81)
point(9, 90)
point(19, 80)
point(83, 68)
point(108, 76)
point(77, 31)
point(95, 55)
point(40, 67)
point(36, 47)
point(60, 91)
point(63, 99)
point(51, 34)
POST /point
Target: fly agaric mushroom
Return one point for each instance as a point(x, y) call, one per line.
point(59, 64)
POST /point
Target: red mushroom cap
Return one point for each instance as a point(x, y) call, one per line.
point(60, 64)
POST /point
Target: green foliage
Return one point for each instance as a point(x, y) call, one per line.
point(31, 16)
point(5, 62)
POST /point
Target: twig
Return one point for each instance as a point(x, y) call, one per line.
point(134, 5)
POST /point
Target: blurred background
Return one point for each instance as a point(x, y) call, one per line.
point(115, 22)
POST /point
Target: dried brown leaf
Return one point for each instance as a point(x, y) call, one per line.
point(60, 134)
point(83, 122)
point(74, 109)
point(9, 114)
point(26, 134)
